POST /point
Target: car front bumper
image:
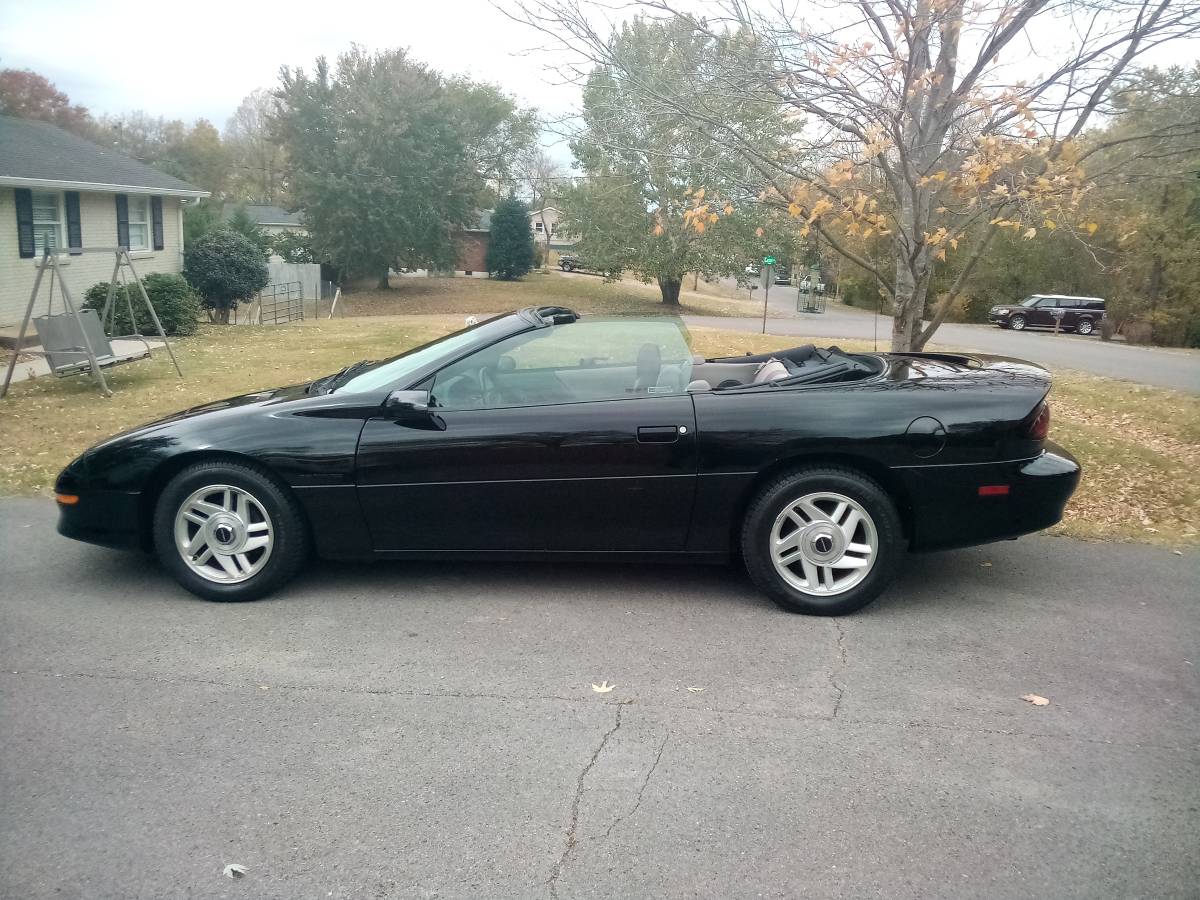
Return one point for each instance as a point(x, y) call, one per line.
point(108, 518)
point(998, 318)
point(949, 511)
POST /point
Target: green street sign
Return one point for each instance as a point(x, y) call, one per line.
point(768, 260)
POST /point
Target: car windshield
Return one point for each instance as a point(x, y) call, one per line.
point(395, 370)
point(597, 359)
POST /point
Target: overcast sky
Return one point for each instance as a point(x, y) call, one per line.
point(199, 58)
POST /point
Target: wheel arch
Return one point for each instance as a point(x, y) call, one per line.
point(873, 469)
point(162, 474)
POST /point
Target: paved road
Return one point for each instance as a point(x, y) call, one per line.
point(427, 730)
point(1170, 368)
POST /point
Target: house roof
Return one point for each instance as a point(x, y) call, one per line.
point(38, 154)
point(266, 215)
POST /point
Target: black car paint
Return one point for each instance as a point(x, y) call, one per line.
point(577, 479)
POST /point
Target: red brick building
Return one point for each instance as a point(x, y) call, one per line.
point(473, 245)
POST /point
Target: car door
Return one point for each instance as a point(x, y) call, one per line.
point(573, 438)
point(1068, 309)
point(1043, 313)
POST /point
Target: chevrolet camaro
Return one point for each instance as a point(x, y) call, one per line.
point(541, 434)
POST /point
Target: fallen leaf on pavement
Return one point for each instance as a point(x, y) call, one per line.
point(233, 870)
point(1035, 700)
point(696, 690)
point(603, 687)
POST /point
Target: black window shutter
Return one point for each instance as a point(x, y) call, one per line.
point(156, 221)
point(24, 201)
point(74, 226)
point(122, 221)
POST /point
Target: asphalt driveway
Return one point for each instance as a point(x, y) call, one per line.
point(430, 730)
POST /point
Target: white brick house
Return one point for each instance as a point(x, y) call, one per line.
point(61, 191)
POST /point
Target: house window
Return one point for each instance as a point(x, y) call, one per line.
point(139, 223)
point(47, 222)
point(537, 226)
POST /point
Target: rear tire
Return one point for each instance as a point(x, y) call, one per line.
point(822, 541)
point(1084, 326)
point(1017, 323)
point(227, 532)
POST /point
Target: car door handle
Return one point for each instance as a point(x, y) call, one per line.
point(659, 434)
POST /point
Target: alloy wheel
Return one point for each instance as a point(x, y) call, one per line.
point(224, 534)
point(1084, 326)
point(824, 543)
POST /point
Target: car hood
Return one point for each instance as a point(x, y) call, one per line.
point(217, 408)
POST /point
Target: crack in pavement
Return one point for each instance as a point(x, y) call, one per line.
point(556, 698)
point(642, 790)
point(573, 825)
point(838, 687)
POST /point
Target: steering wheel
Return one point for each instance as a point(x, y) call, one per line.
point(488, 387)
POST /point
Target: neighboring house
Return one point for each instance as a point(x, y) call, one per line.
point(544, 223)
point(60, 191)
point(271, 219)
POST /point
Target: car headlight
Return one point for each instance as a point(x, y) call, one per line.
point(1000, 311)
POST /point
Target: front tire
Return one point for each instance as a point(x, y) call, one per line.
point(822, 541)
point(227, 532)
point(1017, 323)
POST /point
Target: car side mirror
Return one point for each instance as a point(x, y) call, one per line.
point(403, 404)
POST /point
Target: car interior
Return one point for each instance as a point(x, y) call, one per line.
point(486, 381)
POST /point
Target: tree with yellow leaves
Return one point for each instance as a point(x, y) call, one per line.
point(932, 124)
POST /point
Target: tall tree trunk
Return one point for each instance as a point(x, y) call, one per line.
point(384, 283)
point(903, 333)
point(1154, 290)
point(669, 285)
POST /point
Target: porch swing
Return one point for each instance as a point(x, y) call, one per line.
point(74, 341)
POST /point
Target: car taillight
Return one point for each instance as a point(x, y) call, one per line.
point(1039, 424)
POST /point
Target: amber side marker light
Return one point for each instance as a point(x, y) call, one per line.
point(67, 499)
point(993, 490)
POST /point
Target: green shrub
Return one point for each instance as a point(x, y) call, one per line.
point(510, 252)
point(227, 269)
point(177, 305)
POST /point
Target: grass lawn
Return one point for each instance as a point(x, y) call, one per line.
point(1138, 445)
point(583, 293)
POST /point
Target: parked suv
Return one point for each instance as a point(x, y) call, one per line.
point(1079, 314)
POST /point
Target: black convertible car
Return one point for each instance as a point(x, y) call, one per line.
point(540, 434)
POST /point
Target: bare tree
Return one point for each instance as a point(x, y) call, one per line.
point(258, 157)
point(927, 123)
point(540, 177)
